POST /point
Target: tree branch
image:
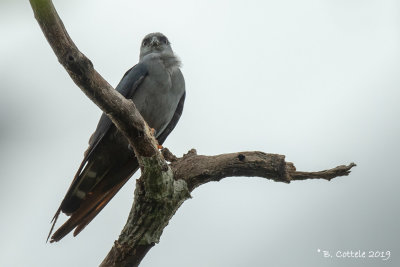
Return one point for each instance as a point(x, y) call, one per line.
point(121, 111)
point(162, 188)
point(199, 169)
point(156, 181)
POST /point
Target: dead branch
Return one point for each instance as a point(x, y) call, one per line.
point(162, 188)
point(199, 169)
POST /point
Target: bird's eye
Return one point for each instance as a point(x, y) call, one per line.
point(145, 42)
point(163, 40)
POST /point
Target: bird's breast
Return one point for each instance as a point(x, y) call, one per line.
point(158, 96)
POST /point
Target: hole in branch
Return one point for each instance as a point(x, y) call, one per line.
point(70, 58)
point(241, 157)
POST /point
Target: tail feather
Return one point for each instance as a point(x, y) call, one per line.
point(85, 213)
point(90, 216)
point(54, 220)
point(95, 201)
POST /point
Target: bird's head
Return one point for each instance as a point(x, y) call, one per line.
point(155, 43)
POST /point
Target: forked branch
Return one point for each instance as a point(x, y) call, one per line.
point(162, 188)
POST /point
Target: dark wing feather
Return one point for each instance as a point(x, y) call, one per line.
point(98, 199)
point(85, 215)
point(127, 86)
point(178, 112)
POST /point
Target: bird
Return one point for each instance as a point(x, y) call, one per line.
point(157, 88)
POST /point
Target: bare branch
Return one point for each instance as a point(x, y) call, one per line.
point(199, 169)
point(162, 188)
point(341, 170)
point(146, 222)
point(168, 155)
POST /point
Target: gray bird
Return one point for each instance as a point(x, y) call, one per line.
point(157, 87)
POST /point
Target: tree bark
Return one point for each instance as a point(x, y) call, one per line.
point(162, 187)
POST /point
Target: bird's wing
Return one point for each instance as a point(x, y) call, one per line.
point(127, 87)
point(171, 125)
point(88, 212)
point(99, 197)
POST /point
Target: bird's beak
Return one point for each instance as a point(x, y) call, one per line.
point(154, 41)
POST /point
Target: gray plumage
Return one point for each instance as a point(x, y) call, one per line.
point(157, 87)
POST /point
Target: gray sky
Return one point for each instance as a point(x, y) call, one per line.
point(317, 81)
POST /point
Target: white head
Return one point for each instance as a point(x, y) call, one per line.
point(155, 43)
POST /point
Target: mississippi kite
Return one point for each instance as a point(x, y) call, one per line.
point(157, 87)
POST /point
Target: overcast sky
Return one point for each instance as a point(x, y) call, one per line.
point(317, 81)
